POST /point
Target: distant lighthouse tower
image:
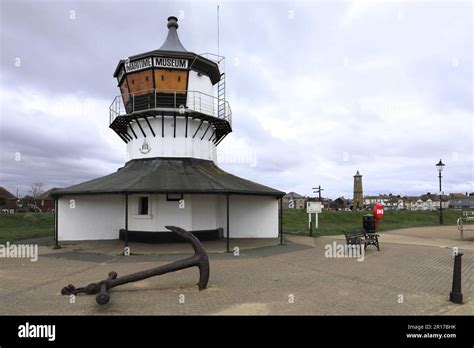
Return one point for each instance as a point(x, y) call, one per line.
point(171, 114)
point(358, 201)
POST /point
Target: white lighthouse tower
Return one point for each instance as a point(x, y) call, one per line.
point(167, 106)
point(171, 114)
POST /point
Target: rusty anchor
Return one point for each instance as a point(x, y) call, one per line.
point(199, 259)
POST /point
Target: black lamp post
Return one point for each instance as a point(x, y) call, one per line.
point(440, 166)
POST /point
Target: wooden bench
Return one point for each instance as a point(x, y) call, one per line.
point(360, 237)
point(462, 227)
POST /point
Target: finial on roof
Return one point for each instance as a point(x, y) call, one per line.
point(172, 22)
point(172, 42)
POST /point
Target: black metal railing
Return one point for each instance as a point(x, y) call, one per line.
point(182, 101)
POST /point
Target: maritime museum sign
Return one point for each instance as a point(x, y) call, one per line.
point(157, 62)
point(170, 63)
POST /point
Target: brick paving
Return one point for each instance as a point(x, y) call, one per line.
point(295, 278)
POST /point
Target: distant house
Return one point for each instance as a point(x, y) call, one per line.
point(293, 200)
point(393, 203)
point(409, 202)
point(45, 202)
point(455, 195)
point(8, 201)
point(461, 201)
point(390, 202)
point(425, 202)
point(432, 202)
point(341, 203)
point(327, 203)
point(396, 202)
point(370, 201)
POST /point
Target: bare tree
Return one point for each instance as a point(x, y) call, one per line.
point(36, 189)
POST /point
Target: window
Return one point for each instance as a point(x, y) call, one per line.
point(174, 197)
point(179, 78)
point(162, 78)
point(143, 206)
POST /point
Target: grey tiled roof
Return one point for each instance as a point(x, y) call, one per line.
point(170, 175)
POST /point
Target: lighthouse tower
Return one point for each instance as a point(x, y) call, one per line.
point(358, 202)
point(167, 106)
point(171, 115)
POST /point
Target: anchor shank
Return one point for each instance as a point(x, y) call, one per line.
point(171, 267)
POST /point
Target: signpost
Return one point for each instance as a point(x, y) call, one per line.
point(378, 212)
point(318, 191)
point(316, 208)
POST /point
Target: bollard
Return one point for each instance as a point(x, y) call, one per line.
point(311, 228)
point(455, 295)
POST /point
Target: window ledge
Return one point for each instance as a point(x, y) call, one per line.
point(149, 216)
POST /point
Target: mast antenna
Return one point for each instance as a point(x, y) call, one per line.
point(218, 52)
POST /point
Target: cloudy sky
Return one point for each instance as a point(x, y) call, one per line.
point(318, 89)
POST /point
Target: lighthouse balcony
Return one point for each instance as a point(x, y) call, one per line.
point(178, 102)
point(127, 109)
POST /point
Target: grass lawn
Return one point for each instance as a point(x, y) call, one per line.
point(15, 227)
point(295, 221)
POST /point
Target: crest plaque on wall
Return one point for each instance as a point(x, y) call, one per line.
point(145, 148)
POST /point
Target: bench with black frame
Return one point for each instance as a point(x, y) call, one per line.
point(362, 237)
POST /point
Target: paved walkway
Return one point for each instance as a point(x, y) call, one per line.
point(115, 247)
point(296, 278)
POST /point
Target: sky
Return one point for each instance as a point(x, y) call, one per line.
point(318, 89)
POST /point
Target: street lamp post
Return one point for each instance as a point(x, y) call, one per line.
point(440, 166)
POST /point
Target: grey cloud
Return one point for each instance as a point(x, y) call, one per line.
point(62, 56)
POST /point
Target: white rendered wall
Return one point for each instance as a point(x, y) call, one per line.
point(250, 216)
point(90, 217)
point(222, 213)
point(102, 216)
point(199, 83)
point(204, 215)
point(162, 213)
point(170, 146)
point(199, 213)
point(179, 146)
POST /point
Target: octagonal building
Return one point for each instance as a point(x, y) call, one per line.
point(171, 114)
